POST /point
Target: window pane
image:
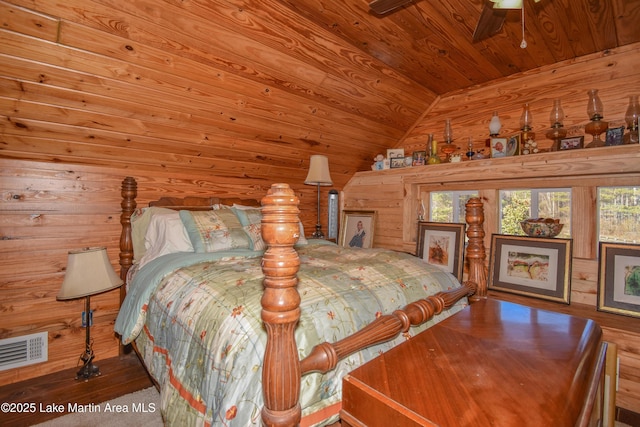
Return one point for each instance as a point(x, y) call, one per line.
point(518, 205)
point(449, 206)
point(619, 214)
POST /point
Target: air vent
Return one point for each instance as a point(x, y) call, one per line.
point(24, 350)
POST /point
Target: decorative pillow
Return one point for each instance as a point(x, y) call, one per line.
point(251, 220)
point(214, 231)
point(140, 220)
point(165, 235)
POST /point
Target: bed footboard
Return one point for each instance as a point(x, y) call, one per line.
point(282, 370)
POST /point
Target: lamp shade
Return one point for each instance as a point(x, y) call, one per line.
point(318, 171)
point(89, 272)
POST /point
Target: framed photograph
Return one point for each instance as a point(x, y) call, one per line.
point(419, 158)
point(513, 145)
point(619, 279)
point(396, 162)
point(533, 266)
point(442, 244)
point(394, 153)
point(614, 136)
point(571, 143)
point(498, 147)
point(357, 227)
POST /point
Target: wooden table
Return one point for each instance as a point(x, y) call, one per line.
point(493, 364)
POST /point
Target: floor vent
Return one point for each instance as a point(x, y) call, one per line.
point(24, 350)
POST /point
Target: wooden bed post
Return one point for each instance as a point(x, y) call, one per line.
point(475, 249)
point(281, 374)
point(129, 192)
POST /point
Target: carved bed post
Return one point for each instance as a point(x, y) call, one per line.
point(129, 192)
point(281, 374)
point(475, 249)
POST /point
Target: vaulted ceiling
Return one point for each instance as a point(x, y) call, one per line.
point(249, 89)
point(430, 42)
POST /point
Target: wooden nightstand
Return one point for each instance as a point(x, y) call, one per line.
point(493, 364)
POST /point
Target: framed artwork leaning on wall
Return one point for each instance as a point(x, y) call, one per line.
point(442, 244)
point(539, 267)
point(619, 278)
point(357, 228)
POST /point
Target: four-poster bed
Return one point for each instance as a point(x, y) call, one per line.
point(317, 310)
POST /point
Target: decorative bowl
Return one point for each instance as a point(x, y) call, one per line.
point(541, 227)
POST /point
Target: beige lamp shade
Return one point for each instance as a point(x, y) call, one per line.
point(89, 272)
point(318, 171)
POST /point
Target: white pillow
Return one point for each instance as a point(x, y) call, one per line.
point(166, 234)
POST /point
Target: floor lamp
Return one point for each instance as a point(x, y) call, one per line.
point(89, 272)
point(318, 175)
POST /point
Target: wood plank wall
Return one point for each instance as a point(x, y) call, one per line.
point(394, 193)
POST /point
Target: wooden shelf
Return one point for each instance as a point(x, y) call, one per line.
point(586, 162)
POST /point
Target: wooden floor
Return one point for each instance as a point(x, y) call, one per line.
point(120, 376)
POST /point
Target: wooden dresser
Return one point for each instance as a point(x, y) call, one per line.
point(493, 364)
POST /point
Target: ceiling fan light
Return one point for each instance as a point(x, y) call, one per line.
point(507, 4)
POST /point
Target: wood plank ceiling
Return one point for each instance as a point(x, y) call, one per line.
point(251, 88)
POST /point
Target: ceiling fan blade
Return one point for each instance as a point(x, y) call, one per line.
point(383, 6)
point(490, 22)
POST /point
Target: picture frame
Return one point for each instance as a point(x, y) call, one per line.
point(614, 136)
point(396, 162)
point(513, 145)
point(538, 267)
point(394, 153)
point(498, 147)
point(572, 143)
point(619, 279)
point(419, 158)
point(442, 244)
point(357, 228)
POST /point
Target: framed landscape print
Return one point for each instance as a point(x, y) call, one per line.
point(442, 244)
point(356, 230)
point(532, 266)
point(619, 278)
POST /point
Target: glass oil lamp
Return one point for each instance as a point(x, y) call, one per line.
point(631, 118)
point(448, 148)
point(494, 125)
point(557, 131)
point(526, 119)
point(596, 126)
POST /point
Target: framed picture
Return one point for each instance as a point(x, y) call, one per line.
point(419, 158)
point(396, 162)
point(571, 143)
point(619, 279)
point(394, 153)
point(533, 266)
point(442, 244)
point(357, 228)
point(614, 136)
point(498, 147)
point(513, 145)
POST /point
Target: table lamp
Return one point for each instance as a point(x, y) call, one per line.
point(318, 175)
point(89, 272)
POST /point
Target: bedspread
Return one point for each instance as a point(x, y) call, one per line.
point(196, 321)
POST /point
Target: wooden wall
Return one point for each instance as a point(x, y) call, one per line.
point(47, 209)
point(394, 193)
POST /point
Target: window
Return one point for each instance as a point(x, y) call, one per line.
point(518, 205)
point(449, 206)
point(619, 214)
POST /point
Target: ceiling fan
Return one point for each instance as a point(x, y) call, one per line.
point(491, 19)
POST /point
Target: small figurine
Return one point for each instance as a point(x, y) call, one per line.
point(378, 163)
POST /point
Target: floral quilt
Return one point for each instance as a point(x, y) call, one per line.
point(196, 321)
